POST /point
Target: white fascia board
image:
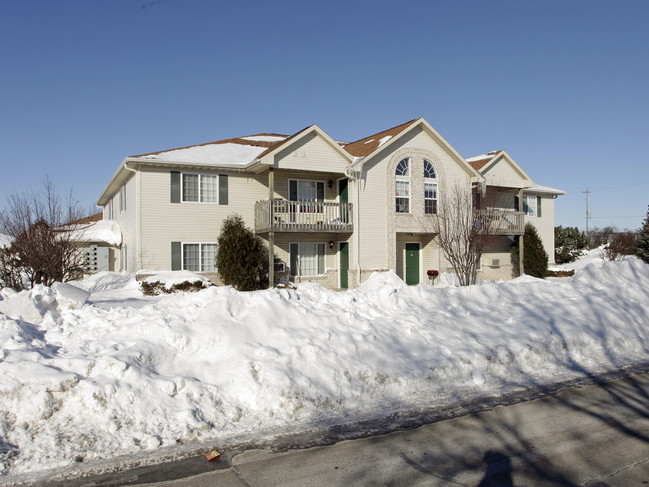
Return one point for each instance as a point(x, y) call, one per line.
point(475, 175)
point(113, 185)
point(504, 155)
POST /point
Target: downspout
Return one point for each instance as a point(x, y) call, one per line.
point(271, 234)
point(521, 238)
point(356, 217)
point(138, 219)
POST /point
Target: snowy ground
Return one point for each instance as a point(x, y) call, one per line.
point(97, 370)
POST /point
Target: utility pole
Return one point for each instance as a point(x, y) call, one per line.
point(587, 212)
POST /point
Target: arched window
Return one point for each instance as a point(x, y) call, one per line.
point(430, 188)
point(402, 186)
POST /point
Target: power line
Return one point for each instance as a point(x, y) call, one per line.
point(610, 188)
point(632, 216)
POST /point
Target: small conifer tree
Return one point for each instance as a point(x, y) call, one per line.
point(535, 258)
point(642, 248)
point(568, 244)
point(241, 258)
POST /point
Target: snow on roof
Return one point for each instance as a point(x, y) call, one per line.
point(237, 151)
point(543, 189)
point(264, 138)
point(234, 154)
point(104, 231)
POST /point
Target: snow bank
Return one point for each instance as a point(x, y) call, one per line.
point(123, 373)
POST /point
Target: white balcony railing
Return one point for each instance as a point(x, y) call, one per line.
point(279, 215)
point(501, 221)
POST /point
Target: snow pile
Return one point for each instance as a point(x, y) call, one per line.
point(588, 257)
point(174, 277)
point(123, 373)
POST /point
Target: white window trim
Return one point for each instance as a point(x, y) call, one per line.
point(526, 206)
point(122, 199)
point(316, 181)
point(434, 181)
point(200, 255)
point(406, 179)
point(110, 210)
point(199, 189)
point(298, 270)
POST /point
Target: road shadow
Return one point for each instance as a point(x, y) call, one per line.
point(498, 471)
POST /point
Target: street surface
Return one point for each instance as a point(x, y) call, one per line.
point(595, 436)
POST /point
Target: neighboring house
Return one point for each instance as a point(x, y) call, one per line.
point(330, 212)
point(99, 240)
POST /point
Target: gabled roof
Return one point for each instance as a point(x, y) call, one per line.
point(478, 162)
point(485, 162)
point(367, 145)
point(311, 129)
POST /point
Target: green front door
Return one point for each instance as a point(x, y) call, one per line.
point(344, 264)
point(412, 263)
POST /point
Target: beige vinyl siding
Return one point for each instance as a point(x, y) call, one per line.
point(499, 249)
point(311, 153)
point(164, 222)
point(128, 223)
point(545, 224)
point(428, 255)
point(504, 174)
point(377, 219)
point(330, 278)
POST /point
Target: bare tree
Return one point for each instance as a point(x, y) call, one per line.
point(621, 244)
point(42, 250)
point(465, 229)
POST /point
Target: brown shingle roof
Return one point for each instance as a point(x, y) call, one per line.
point(478, 162)
point(88, 220)
point(366, 146)
point(274, 145)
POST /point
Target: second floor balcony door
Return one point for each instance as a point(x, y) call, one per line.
point(306, 195)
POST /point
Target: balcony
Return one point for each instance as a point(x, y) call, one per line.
point(278, 215)
point(502, 221)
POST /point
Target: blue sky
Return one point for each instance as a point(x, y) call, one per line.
point(563, 86)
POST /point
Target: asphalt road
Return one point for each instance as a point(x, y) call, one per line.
point(595, 436)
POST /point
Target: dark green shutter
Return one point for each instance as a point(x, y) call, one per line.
point(517, 205)
point(292, 190)
point(176, 258)
point(294, 250)
point(538, 206)
point(175, 187)
point(223, 189)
